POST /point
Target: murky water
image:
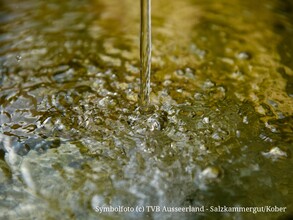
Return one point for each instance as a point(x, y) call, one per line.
point(218, 132)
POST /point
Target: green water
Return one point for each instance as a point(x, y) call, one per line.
point(218, 132)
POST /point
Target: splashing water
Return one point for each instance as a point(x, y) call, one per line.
point(145, 52)
point(219, 130)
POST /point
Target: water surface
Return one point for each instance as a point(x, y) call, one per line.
point(219, 131)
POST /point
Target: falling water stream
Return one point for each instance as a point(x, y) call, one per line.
point(217, 132)
point(145, 52)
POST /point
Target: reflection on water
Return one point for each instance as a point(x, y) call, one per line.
point(219, 131)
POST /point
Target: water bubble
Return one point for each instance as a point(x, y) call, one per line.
point(238, 133)
point(216, 136)
point(206, 120)
point(208, 84)
point(131, 68)
point(209, 174)
point(153, 124)
point(167, 83)
point(273, 103)
point(132, 96)
point(156, 121)
point(228, 60)
point(98, 201)
point(245, 120)
point(244, 56)
point(200, 53)
point(202, 147)
point(238, 75)
point(271, 127)
point(180, 90)
point(265, 138)
point(180, 72)
point(107, 102)
point(280, 115)
point(63, 74)
point(18, 58)
point(275, 153)
point(198, 96)
point(186, 72)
